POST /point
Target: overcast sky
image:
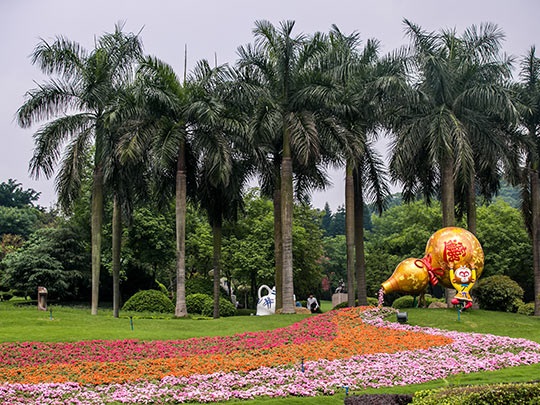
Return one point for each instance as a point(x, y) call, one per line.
point(216, 27)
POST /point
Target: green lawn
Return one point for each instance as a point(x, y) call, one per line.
point(26, 323)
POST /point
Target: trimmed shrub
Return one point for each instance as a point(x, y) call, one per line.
point(379, 399)
point(407, 301)
point(226, 307)
point(199, 303)
point(498, 293)
point(149, 301)
point(526, 309)
point(496, 394)
point(372, 301)
point(203, 304)
point(341, 305)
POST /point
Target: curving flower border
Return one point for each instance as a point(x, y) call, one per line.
point(439, 354)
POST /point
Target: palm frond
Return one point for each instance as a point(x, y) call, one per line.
point(50, 139)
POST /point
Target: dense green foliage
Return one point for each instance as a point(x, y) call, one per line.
point(500, 394)
point(199, 304)
point(507, 247)
point(203, 304)
point(498, 293)
point(55, 258)
point(149, 301)
point(13, 195)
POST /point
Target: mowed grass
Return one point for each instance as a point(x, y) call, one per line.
point(26, 323)
point(68, 324)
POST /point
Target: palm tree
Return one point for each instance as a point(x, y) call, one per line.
point(450, 102)
point(78, 99)
point(164, 134)
point(218, 129)
point(528, 95)
point(359, 82)
point(454, 95)
point(123, 178)
point(283, 63)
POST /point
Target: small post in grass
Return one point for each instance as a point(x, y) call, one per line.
point(131, 322)
point(50, 314)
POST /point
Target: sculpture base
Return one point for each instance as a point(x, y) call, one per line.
point(339, 298)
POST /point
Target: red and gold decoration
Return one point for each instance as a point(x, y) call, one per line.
point(453, 257)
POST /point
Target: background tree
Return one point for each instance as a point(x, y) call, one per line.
point(359, 83)
point(52, 257)
point(19, 221)
point(334, 261)
point(508, 250)
point(13, 195)
point(248, 251)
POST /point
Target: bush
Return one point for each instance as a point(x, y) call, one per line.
point(200, 303)
point(203, 304)
point(526, 309)
point(341, 305)
point(379, 399)
point(7, 295)
point(226, 307)
point(498, 293)
point(149, 301)
point(407, 301)
point(515, 394)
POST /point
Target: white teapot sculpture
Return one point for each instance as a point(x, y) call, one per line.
point(266, 304)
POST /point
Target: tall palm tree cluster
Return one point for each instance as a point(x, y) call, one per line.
point(291, 106)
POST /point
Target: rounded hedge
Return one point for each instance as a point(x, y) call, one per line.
point(498, 293)
point(526, 309)
point(226, 307)
point(203, 304)
point(149, 301)
point(407, 301)
point(200, 303)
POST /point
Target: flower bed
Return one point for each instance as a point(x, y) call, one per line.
point(351, 347)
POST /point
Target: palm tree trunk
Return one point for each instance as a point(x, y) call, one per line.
point(286, 226)
point(448, 206)
point(181, 193)
point(97, 222)
point(447, 192)
point(278, 236)
point(349, 232)
point(360, 260)
point(278, 247)
point(216, 232)
point(116, 249)
point(471, 205)
point(535, 207)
